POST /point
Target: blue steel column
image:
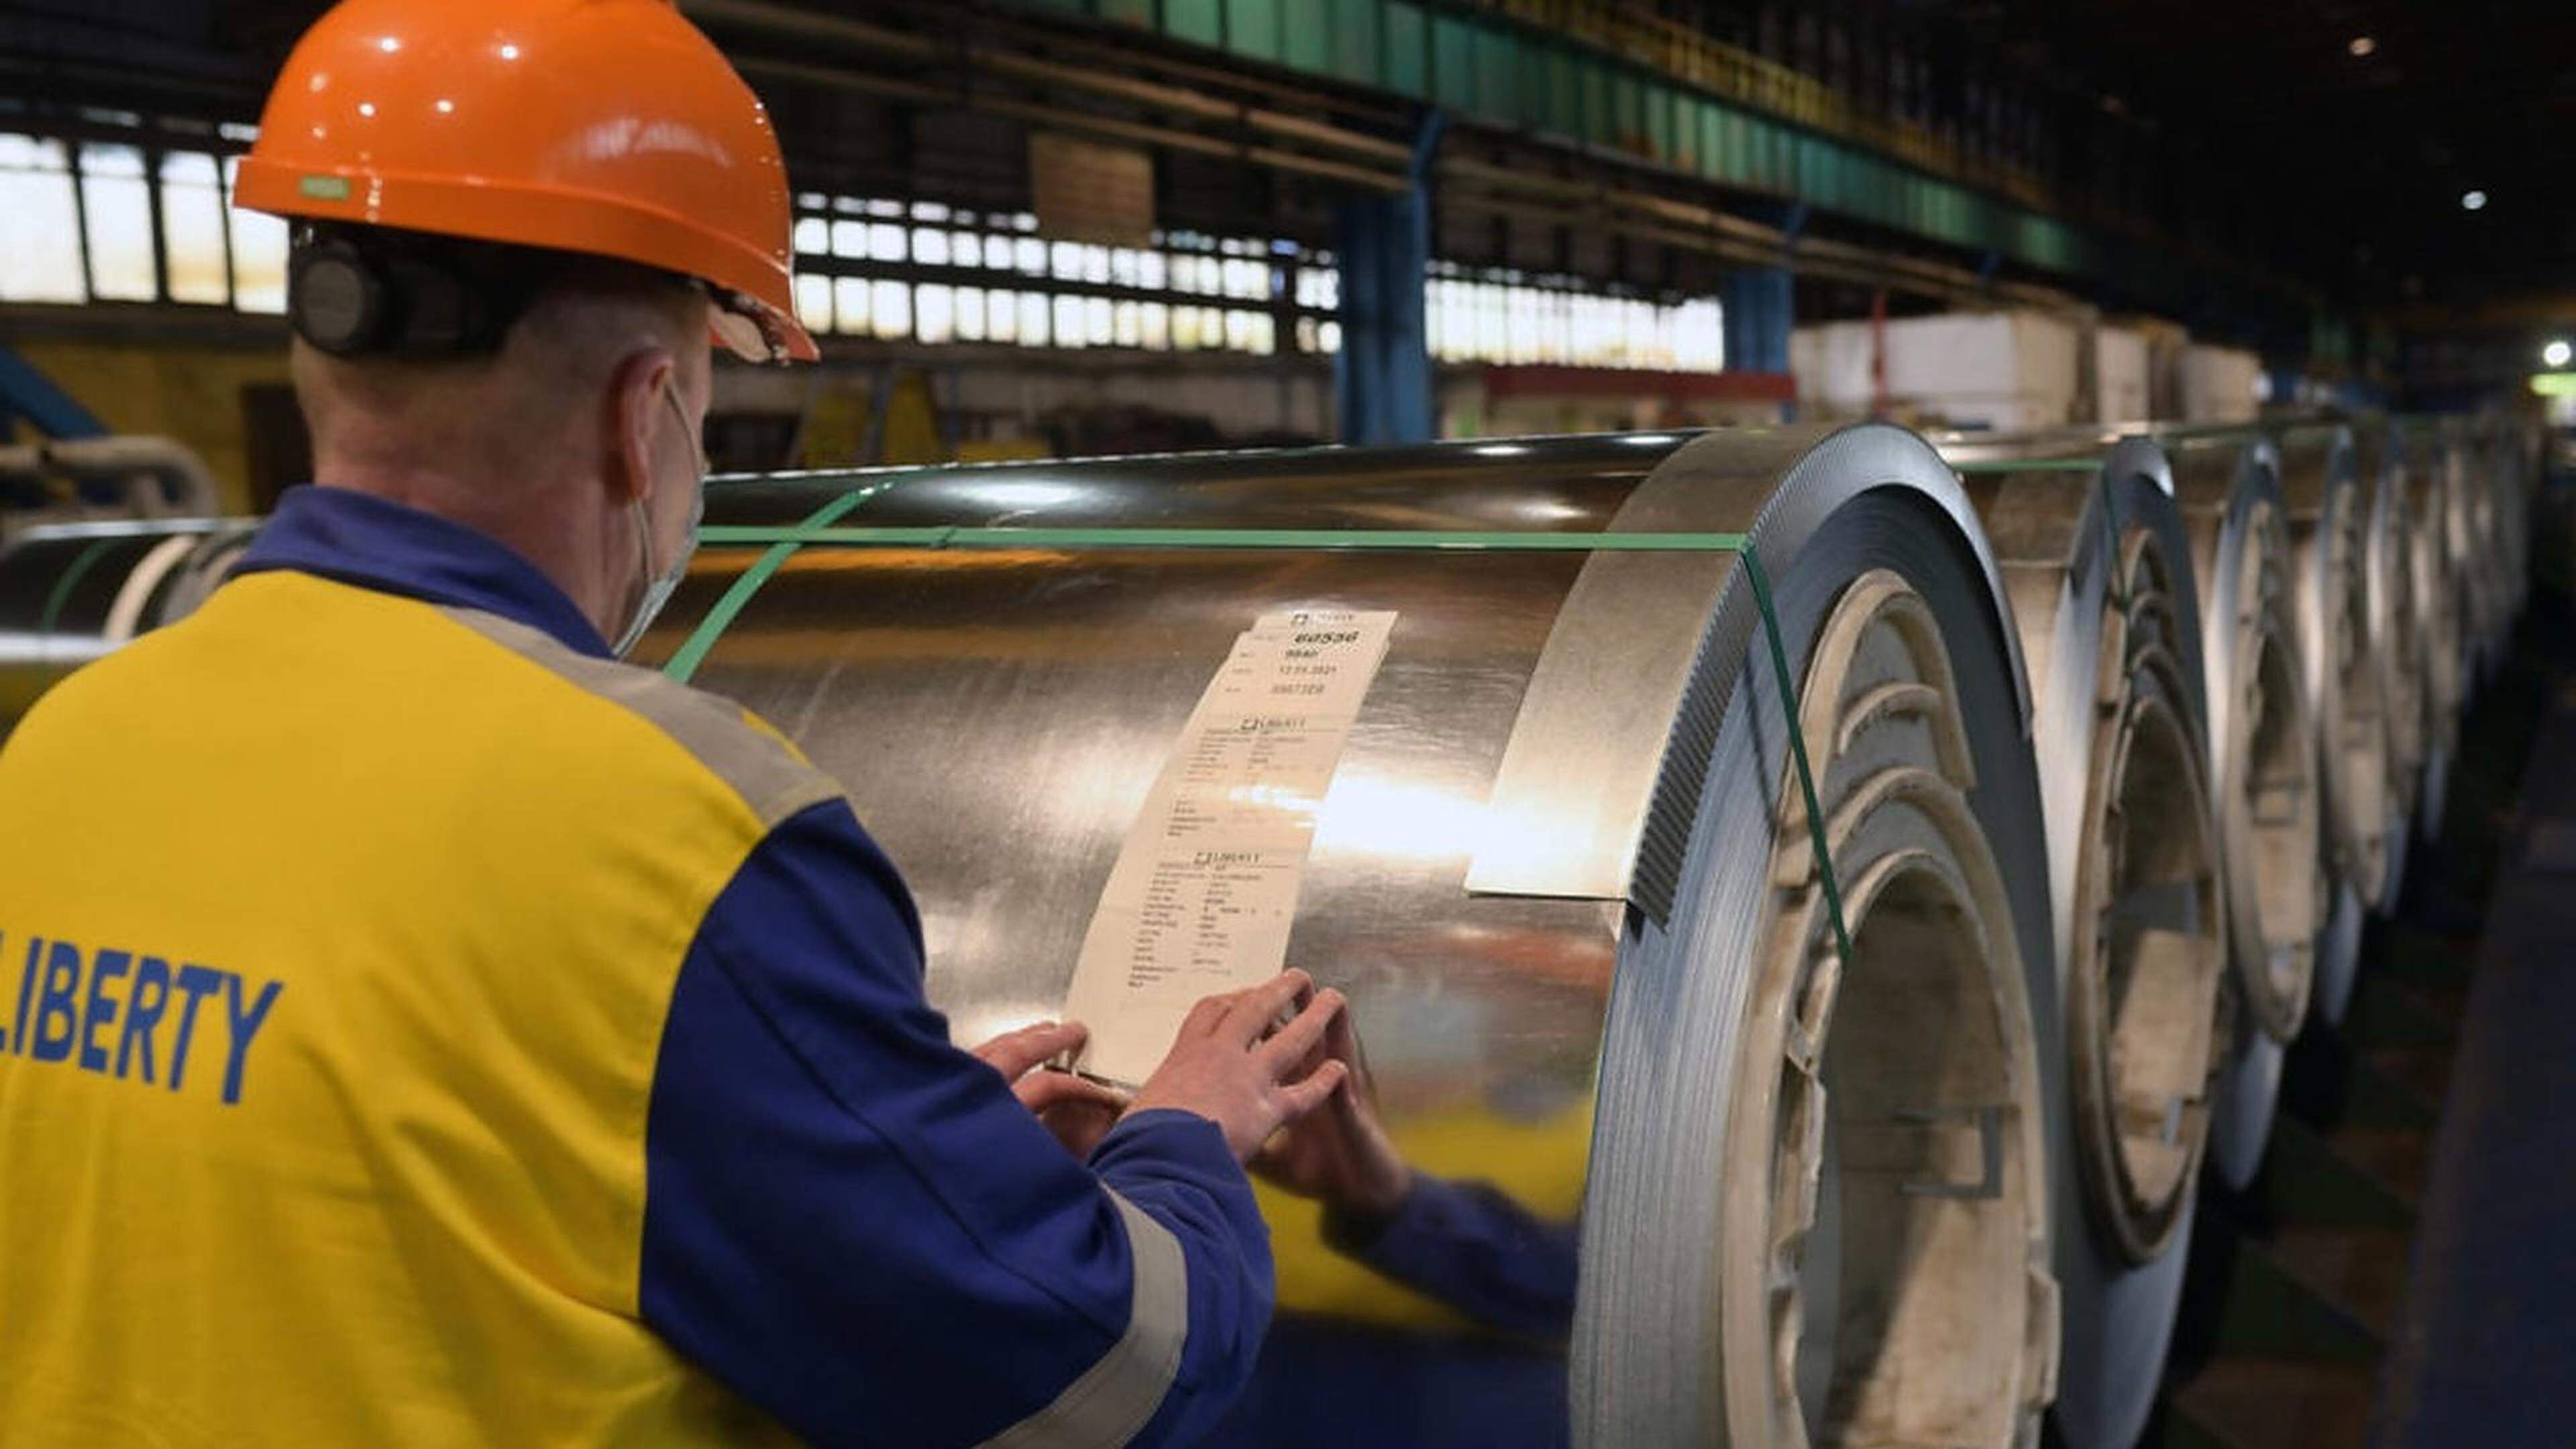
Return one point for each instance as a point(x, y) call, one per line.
point(1382, 376)
point(1758, 302)
point(2285, 374)
point(1758, 319)
point(28, 393)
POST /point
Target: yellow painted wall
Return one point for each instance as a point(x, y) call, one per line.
point(188, 392)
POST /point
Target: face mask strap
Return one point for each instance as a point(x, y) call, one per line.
point(659, 584)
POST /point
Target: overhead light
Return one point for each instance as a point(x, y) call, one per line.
point(2362, 45)
point(2557, 353)
point(2473, 201)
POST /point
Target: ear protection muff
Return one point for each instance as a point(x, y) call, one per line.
point(354, 294)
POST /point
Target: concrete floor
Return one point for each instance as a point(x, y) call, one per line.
point(2485, 1347)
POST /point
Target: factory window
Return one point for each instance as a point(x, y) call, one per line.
point(40, 259)
point(116, 215)
point(850, 305)
point(814, 302)
point(890, 308)
point(934, 314)
point(1193, 291)
point(259, 256)
point(1508, 317)
point(192, 228)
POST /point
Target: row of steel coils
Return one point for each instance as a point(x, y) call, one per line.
point(1833, 1063)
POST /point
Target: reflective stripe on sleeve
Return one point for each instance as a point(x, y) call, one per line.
point(1117, 1396)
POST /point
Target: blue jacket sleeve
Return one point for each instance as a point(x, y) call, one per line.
point(856, 1226)
point(1473, 1248)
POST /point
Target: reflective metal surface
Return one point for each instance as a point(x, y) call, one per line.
point(2328, 537)
point(1564, 869)
point(1601, 724)
point(2098, 566)
point(2263, 753)
point(70, 592)
point(2442, 644)
point(2395, 634)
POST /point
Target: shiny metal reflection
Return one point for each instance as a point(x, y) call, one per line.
point(2095, 557)
point(1533, 1026)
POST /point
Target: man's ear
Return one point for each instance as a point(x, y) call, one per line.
point(633, 411)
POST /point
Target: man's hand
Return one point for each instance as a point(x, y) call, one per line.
point(1229, 1067)
point(1077, 1110)
point(1341, 1154)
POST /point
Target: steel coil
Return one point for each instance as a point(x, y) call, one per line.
point(2467, 456)
point(1562, 871)
point(2328, 536)
point(2437, 569)
point(2098, 567)
point(70, 592)
point(2395, 639)
point(2264, 758)
point(2510, 470)
point(2105, 799)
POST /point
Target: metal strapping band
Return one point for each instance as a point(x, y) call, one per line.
point(685, 663)
point(819, 530)
point(2110, 530)
point(62, 590)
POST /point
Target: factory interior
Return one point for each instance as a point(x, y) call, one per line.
point(1718, 722)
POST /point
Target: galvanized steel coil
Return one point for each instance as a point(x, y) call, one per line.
point(2328, 538)
point(2511, 469)
point(2264, 758)
point(1565, 870)
point(2395, 638)
point(2098, 567)
point(2442, 641)
point(2474, 535)
point(71, 592)
point(1562, 871)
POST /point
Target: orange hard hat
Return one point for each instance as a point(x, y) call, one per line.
point(611, 127)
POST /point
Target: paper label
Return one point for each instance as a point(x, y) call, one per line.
point(1205, 887)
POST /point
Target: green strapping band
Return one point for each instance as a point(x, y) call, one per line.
point(2027, 465)
point(819, 529)
point(1408, 539)
point(693, 650)
point(1798, 749)
point(71, 574)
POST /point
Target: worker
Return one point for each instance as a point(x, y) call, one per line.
point(418, 1027)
